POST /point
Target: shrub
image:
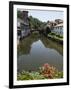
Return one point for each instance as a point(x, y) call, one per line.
point(30, 76)
point(50, 72)
point(57, 35)
point(51, 33)
point(45, 72)
point(36, 75)
point(61, 36)
point(24, 76)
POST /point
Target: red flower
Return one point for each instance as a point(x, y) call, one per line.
point(46, 65)
point(48, 71)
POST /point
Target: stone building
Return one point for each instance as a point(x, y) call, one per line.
point(23, 25)
point(50, 24)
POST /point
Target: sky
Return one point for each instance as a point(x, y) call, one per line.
point(46, 15)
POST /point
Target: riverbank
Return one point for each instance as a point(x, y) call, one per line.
point(56, 37)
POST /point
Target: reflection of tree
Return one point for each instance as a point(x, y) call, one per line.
point(24, 46)
point(54, 45)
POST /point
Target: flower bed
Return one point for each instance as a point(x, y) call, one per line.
point(45, 72)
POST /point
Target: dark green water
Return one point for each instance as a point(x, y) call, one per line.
point(36, 50)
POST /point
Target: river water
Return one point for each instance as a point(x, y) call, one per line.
point(36, 50)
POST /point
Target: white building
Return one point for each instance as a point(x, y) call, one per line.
point(58, 29)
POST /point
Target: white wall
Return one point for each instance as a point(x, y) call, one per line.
point(4, 47)
point(58, 30)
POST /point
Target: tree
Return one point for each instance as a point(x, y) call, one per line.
point(35, 23)
point(48, 30)
point(19, 14)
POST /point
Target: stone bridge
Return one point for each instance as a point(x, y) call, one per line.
point(37, 30)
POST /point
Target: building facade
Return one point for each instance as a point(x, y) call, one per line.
point(58, 28)
point(23, 25)
point(50, 24)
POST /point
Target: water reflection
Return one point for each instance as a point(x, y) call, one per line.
point(34, 51)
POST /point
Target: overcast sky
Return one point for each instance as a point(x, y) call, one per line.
point(46, 15)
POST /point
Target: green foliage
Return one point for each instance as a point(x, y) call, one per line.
point(24, 76)
point(55, 36)
point(30, 76)
point(35, 23)
point(58, 75)
point(19, 14)
point(59, 36)
point(48, 30)
point(36, 75)
point(51, 33)
point(45, 72)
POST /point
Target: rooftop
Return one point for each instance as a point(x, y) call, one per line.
point(59, 25)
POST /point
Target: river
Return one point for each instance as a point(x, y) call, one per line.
point(36, 50)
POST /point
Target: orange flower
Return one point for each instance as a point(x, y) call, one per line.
point(48, 71)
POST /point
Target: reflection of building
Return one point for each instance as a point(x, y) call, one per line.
point(23, 24)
